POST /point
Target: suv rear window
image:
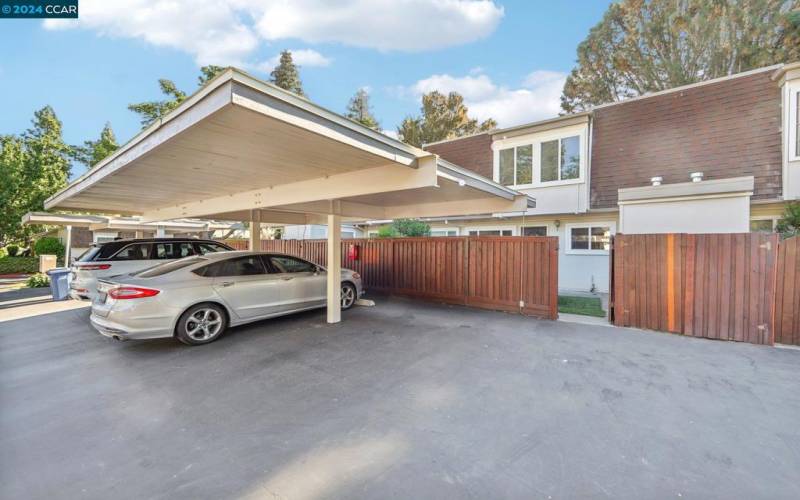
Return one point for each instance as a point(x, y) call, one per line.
point(173, 250)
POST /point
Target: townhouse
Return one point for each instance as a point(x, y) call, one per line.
point(718, 156)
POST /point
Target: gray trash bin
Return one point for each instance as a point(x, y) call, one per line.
point(59, 282)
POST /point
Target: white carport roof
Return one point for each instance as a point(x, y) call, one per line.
point(100, 222)
point(240, 144)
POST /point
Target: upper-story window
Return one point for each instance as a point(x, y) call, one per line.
point(561, 159)
point(541, 159)
point(516, 165)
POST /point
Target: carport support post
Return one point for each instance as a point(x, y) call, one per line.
point(334, 267)
point(67, 245)
point(255, 230)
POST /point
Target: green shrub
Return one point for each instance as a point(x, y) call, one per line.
point(49, 246)
point(13, 250)
point(19, 265)
point(411, 227)
point(38, 280)
point(388, 232)
point(3, 252)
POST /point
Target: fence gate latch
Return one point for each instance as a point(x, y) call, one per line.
point(767, 245)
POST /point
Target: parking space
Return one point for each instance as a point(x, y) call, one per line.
point(403, 400)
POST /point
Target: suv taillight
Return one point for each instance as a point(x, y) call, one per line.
point(131, 292)
point(93, 267)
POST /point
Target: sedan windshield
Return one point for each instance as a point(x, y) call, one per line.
point(168, 267)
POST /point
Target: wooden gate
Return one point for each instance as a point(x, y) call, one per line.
point(718, 286)
point(787, 300)
point(509, 273)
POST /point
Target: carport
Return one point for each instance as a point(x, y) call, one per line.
point(242, 149)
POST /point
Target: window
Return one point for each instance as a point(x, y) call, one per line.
point(248, 265)
point(762, 225)
point(175, 250)
point(204, 248)
point(561, 159)
point(167, 267)
point(286, 264)
point(444, 232)
point(516, 165)
point(534, 231)
point(491, 232)
point(137, 251)
point(586, 238)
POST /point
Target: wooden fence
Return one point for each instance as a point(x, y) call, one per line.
point(515, 274)
point(718, 286)
point(787, 293)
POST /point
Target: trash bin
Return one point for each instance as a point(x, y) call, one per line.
point(59, 282)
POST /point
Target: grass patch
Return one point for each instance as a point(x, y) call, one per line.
point(587, 306)
point(19, 265)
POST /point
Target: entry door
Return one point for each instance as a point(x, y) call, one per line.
point(247, 288)
point(304, 284)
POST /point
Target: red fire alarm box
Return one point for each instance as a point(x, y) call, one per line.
point(352, 251)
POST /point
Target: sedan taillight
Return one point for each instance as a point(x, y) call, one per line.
point(131, 292)
point(93, 267)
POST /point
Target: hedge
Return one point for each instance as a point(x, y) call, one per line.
point(19, 265)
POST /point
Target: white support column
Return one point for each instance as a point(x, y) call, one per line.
point(68, 246)
point(160, 232)
point(334, 268)
point(139, 234)
point(255, 230)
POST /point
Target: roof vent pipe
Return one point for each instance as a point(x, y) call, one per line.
point(656, 181)
point(696, 176)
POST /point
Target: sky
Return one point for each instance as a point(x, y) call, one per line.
point(507, 58)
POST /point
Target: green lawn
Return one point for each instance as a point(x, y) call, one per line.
point(587, 306)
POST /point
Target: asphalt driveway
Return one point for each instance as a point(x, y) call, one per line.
point(402, 400)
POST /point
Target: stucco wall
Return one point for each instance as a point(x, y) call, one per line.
point(714, 215)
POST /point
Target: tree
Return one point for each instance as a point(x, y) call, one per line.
point(286, 75)
point(443, 117)
point(789, 223)
point(33, 166)
point(93, 151)
point(643, 46)
point(405, 227)
point(150, 111)
point(208, 73)
point(359, 110)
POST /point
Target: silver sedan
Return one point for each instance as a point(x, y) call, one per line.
point(196, 298)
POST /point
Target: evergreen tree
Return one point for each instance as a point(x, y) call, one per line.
point(286, 75)
point(93, 151)
point(359, 110)
point(207, 73)
point(643, 46)
point(33, 166)
point(150, 111)
point(443, 117)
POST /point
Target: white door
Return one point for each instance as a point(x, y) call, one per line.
point(245, 286)
point(305, 284)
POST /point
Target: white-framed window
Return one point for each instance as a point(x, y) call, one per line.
point(592, 238)
point(348, 235)
point(541, 159)
point(103, 237)
point(439, 232)
point(763, 224)
point(491, 231)
point(534, 230)
point(372, 234)
point(516, 165)
point(792, 117)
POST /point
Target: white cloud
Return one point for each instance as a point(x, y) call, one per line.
point(228, 32)
point(212, 31)
point(537, 98)
point(404, 25)
point(301, 57)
